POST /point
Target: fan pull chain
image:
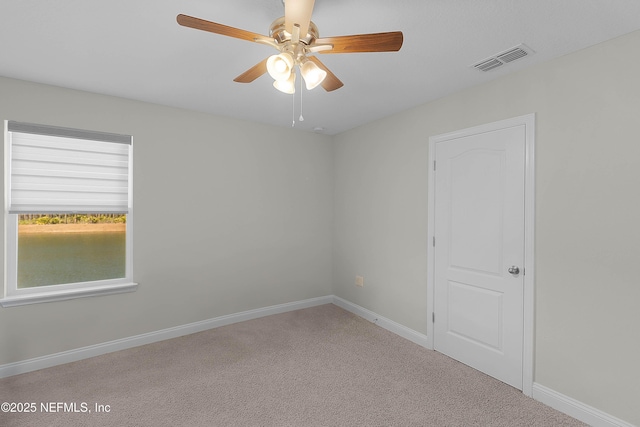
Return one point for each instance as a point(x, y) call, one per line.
point(293, 110)
point(301, 118)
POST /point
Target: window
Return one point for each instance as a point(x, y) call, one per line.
point(68, 213)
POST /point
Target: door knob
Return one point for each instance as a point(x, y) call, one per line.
point(514, 270)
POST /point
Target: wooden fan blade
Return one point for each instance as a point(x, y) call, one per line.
point(375, 42)
point(212, 27)
point(252, 73)
point(331, 82)
point(298, 12)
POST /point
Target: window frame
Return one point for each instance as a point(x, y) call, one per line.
point(14, 296)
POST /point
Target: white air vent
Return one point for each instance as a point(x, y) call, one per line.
point(502, 58)
point(488, 64)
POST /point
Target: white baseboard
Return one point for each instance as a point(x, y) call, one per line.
point(383, 322)
point(578, 410)
point(549, 397)
point(151, 337)
point(558, 401)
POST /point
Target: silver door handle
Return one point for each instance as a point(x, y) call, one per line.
point(514, 270)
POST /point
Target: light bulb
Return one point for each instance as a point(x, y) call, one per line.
point(312, 74)
point(280, 66)
point(286, 86)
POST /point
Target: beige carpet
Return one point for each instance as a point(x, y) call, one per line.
point(320, 366)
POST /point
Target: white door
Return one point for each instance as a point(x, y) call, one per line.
point(479, 251)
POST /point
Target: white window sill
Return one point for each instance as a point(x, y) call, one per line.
point(12, 301)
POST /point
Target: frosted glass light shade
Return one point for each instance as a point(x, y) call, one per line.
point(286, 86)
point(280, 66)
point(312, 74)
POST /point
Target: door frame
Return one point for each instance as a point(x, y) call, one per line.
point(528, 121)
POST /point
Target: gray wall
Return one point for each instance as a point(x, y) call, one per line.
point(229, 216)
point(587, 106)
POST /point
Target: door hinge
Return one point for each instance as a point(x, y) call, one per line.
point(434, 165)
point(433, 316)
point(434, 241)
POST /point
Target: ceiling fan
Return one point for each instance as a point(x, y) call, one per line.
point(297, 39)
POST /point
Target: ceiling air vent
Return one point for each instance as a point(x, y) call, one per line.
point(488, 64)
point(502, 58)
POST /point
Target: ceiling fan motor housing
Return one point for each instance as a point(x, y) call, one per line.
point(282, 36)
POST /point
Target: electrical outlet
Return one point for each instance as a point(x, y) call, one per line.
point(360, 281)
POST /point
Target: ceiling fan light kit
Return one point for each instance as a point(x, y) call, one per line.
point(297, 39)
point(281, 69)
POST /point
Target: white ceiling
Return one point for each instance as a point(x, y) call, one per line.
point(135, 49)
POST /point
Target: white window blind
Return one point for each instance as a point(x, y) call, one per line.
point(61, 170)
